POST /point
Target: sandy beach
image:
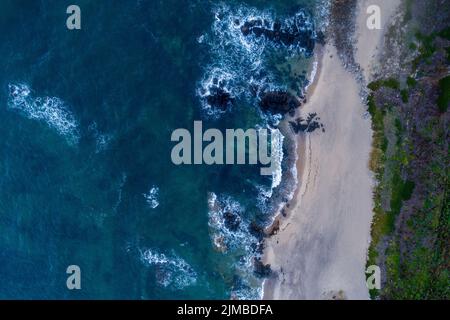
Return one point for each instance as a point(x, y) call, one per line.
point(320, 250)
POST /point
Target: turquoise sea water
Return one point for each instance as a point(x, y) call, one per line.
point(85, 171)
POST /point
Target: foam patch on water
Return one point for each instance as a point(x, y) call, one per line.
point(239, 62)
point(216, 78)
point(172, 271)
point(244, 291)
point(102, 140)
point(152, 197)
point(51, 110)
point(226, 239)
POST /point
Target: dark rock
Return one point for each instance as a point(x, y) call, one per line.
point(320, 38)
point(219, 98)
point(257, 231)
point(278, 102)
point(232, 220)
point(261, 270)
point(308, 125)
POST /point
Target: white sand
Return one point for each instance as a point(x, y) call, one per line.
point(321, 249)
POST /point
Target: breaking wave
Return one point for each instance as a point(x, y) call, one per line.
point(277, 156)
point(50, 110)
point(152, 197)
point(172, 271)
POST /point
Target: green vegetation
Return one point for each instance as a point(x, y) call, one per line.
point(377, 162)
point(405, 95)
point(408, 9)
point(444, 97)
point(422, 273)
point(427, 47)
point(445, 33)
point(411, 82)
point(388, 83)
point(410, 158)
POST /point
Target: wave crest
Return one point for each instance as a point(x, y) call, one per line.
point(171, 271)
point(51, 110)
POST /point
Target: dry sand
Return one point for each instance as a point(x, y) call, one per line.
point(320, 251)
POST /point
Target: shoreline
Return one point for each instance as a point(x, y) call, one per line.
point(299, 142)
point(306, 249)
point(301, 145)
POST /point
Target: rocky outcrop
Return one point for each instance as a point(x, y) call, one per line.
point(261, 270)
point(219, 98)
point(280, 102)
point(279, 35)
point(232, 220)
point(308, 125)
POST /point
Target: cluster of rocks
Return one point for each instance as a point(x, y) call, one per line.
point(279, 102)
point(279, 35)
point(308, 125)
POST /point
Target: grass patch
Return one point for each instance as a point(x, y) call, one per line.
point(411, 82)
point(444, 97)
point(445, 33)
point(376, 165)
point(427, 48)
point(383, 223)
point(388, 83)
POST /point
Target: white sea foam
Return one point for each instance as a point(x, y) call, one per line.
point(322, 14)
point(102, 140)
point(50, 110)
point(171, 271)
point(248, 292)
point(223, 238)
point(312, 76)
point(277, 157)
point(152, 197)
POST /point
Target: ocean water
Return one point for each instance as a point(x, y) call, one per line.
point(85, 123)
